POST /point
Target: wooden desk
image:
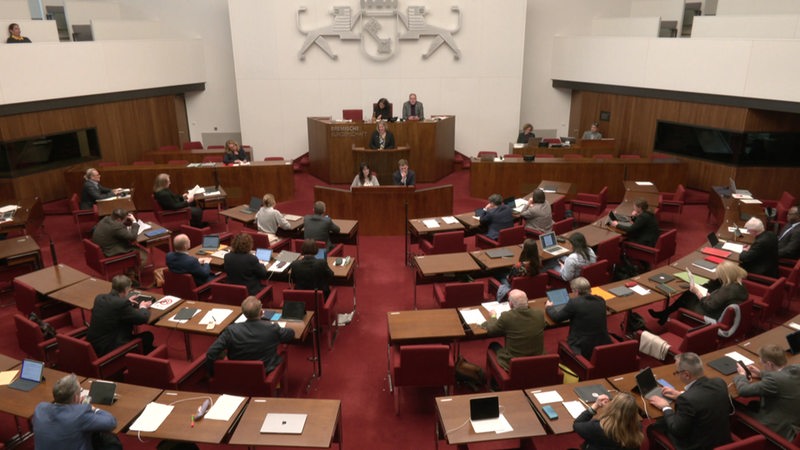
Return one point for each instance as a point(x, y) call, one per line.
point(130, 400)
point(775, 336)
point(419, 228)
point(208, 201)
point(7, 362)
point(429, 266)
point(28, 217)
point(627, 383)
point(22, 404)
point(192, 156)
point(452, 413)
point(53, 278)
point(595, 233)
point(20, 250)
point(687, 261)
point(301, 328)
point(193, 325)
point(424, 325)
point(559, 187)
point(382, 162)
point(794, 320)
point(177, 426)
point(728, 211)
point(107, 206)
point(632, 301)
point(641, 186)
point(563, 424)
point(161, 240)
point(489, 263)
point(634, 192)
point(323, 423)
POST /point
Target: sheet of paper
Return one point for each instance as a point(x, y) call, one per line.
point(602, 293)
point(8, 208)
point(152, 417)
point(496, 307)
point(7, 376)
point(143, 226)
point(548, 397)
point(794, 326)
point(751, 201)
point(449, 220)
point(739, 357)
point(575, 408)
point(291, 217)
point(217, 315)
point(641, 290)
point(240, 319)
point(431, 223)
point(499, 425)
point(733, 247)
point(219, 254)
point(741, 230)
point(165, 302)
point(224, 407)
point(472, 316)
point(549, 191)
point(644, 183)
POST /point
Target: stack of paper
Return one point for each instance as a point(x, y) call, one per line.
point(431, 223)
point(472, 316)
point(224, 408)
point(216, 315)
point(152, 417)
point(548, 397)
point(496, 307)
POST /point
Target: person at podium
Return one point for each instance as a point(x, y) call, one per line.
point(381, 138)
point(365, 177)
point(593, 133)
point(234, 153)
point(382, 110)
point(526, 134)
point(412, 109)
point(404, 176)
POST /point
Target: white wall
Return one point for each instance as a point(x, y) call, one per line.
point(751, 7)
point(110, 29)
point(666, 9)
point(626, 26)
point(751, 27)
point(14, 9)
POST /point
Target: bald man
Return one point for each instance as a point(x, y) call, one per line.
point(522, 327)
point(180, 261)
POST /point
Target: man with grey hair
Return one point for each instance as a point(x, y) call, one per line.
point(180, 261)
point(587, 318)
point(114, 316)
point(537, 213)
point(522, 327)
point(789, 236)
point(93, 190)
point(319, 226)
point(699, 419)
point(70, 424)
point(496, 216)
point(761, 257)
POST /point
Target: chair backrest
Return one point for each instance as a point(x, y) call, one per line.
point(356, 115)
point(755, 442)
point(564, 225)
point(486, 154)
point(143, 163)
point(449, 242)
point(534, 287)
point(147, 370)
point(193, 145)
point(424, 365)
point(615, 358)
point(769, 297)
point(195, 234)
point(558, 208)
point(603, 194)
point(180, 285)
point(25, 297)
point(680, 194)
point(35, 220)
point(700, 340)
point(247, 378)
point(76, 355)
point(597, 273)
point(458, 295)
point(29, 335)
point(297, 244)
point(511, 236)
point(604, 156)
point(611, 250)
point(666, 245)
point(260, 240)
point(74, 203)
point(228, 294)
point(301, 295)
point(736, 321)
point(94, 255)
point(533, 371)
point(213, 158)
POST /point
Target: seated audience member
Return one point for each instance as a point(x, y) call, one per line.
point(69, 423)
point(496, 216)
point(537, 213)
point(242, 267)
point(789, 237)
point(309, 273)
point(643, 227)
point(381, 138)
point(777, 384)
point(15, 35)
point(529, 265)
point(116, 234)
point(382, 110)
point(582, 255)
point(611, 424)
point(760, 257)
point(412, 109)
point(180, 261)
point(699, 419)
point(522, 327)
point(93, 190)
point(587, 318)
point(404, 176)
point(171, 201)
point(114, 316)
point(593, 132)
point(319, 226)
point(269, 219)
point(234, 153)
point(365, 177)
point(726, 290)
point(526, 134)
point(251, 340)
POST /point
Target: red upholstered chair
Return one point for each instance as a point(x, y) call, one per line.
point(610, 250)
point(457, 295)
point(178, 162)
point(512, 156)
point(107, 164)
point(337, 250)
point(572, 156)
point(196, 234)
point(248, 378)
point(781, 206)
point(445, 242)
point(143, 163)
point(559, 208)
point(607, 360)
point(598, 273)
point(327, 309)
point(182, 285)
point(735, 322)
point(109, 266)
point(356, 115)
point(792, 274)
point(421, 365)
point(629, 156)
point(160, 371)
point(684, 338)
point(273, 158)
point(534, 287)
point(35, 222)
point(29, 301)
point(170, 219)
point(594, 204)
point(508, 236)
point(234, 294)
point(84, 219)
point(216, 147)
point(669, 202)
point(31, 339)
point(524, 372)
point(663, 251)
point(193, 145)
point(564, 226)
point(168, 148)
point(78, 356)
point(487, 154)
point(261, 240)
point(603, 156)
point(743, 424)
point(213, 158)
point(767, 295)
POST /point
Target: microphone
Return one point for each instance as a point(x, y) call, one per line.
point(203, 409)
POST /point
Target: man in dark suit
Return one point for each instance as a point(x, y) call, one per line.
point(778, 386)
point(643, 227)
point(522, 327)
point(116, 234)
point(404, 176)
point(93, 190)
point(789, 237)
point(252, 340)
point(699, 420)
point(761, 257)
point(179, 261)
point(496, 216)
point(114, 316)
point(319, 226)
point(310, 273)
point(587, 318)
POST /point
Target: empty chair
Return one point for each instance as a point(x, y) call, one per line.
point(327, 309)
point(445, 242)
point(607, 360)
point(594, 204)
point(559, 208)
point(610, 250)
point(508, 236)
point(261, 240)
point(767, 295)
point(684, 338)
point(524, 371)
point(158, 370)
point(143, 163)
point(234, 294)
point(85, 219)
point(248, 378)
point(669, 202)
point(29, 301)
point(597, 273)
point(193, 145)
point(196, 234)
point(653, 256)
point(108, 266)
point(457, 295)
point(78, 356)
point(563, 226)
point(178, 162)
point(182, 285)
point(32, 340)
point(421, 365)
point(356, 115)
point(533, 287)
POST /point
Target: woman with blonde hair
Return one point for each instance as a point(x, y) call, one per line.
point(610, 425)
point(233, 152)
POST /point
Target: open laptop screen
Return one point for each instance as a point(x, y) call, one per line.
point(211, 241)
point(558, 296)
point(548, 240)
point(32, 370)
point(484, 408)
point(646, 381)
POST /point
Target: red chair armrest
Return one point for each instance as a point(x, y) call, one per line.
point(640, 247)
point(159, 352)
point(582, 196)
point(485, 240)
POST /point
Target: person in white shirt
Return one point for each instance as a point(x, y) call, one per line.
point(270, 219)
point(365, 177)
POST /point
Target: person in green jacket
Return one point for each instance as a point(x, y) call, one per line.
point(522, 327)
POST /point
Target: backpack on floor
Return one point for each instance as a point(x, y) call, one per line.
point(469, 374)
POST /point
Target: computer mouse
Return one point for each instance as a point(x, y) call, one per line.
point(202, 252)
point(683, 285)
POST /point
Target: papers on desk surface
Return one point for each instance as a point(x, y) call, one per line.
point(8, 208)
point(574, 408)
point(736, 356)
point(519, 203)
point(751, 201)
point(644, 183)
point(431, 223)
point(794, 325)
point(143, 226)
point(741, 230)
point(548, 397)
point(449, 220)
point(165, 302)
point(733, 247)
point(496, 307)
point(224, 407)
point(641, 290)
point(498, 425)
point(602, 293)
point(216, 315)
point(291, 217)
point(697, 278)
point(472, 316)
point(240, 319)
point(152, 417)
point(173, 318)
point(7, 376)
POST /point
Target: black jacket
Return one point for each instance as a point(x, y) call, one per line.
point(587, 327)
point(762, 257)
point(113, 318)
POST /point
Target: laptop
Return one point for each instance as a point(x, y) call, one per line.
point(293, 310)
point(321, 253)
point(253, 207)
point(559, 297)
point(550, 244)
point(484, 414)
point(794, 342)
point(647, 384)
point(495, 253)
point(725, 365)
point(590, 393)
point(284, 423)
point(264, 254)
point(287, 256)
point(661, 278)
point(29, 376)
point(210, 243)
point(618, 217)
point(102, 392)
point(8, 215)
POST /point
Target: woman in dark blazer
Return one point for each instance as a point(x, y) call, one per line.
point(233, 153)
point(610, 425)
point(242, 267)
point(310, 273)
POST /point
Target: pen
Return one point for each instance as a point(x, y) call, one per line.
point(192, 420)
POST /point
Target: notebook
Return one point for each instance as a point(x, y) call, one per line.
point(725, 365)
point(210, 243)
point(253, 207)
point(484, 413)
point(661, 278)
point(647, 385)
point(264, 254)
point(620, 291)
point(794, 342)
point(713, 240)
point(499, 253)
point(102, 392)
point(703, 264)
point(666, 289)
point(590, 393)
point(156, 232)
point(287, 256)
point(559, 297)
point(29, 376)
point(186, 313)
point(293, 310)
point(550, 244)
point(284, 423)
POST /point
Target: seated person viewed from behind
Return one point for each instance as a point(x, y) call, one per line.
point(522, 327)
point(582, 255)
point(381, 138)
point(537, 213)
point(365, 177)
point(15, 35)
point(526, 134)
point(777, 384)
point(251, 340)
point(116, 234)
point(114, 316)
point(412, 109)
point(243, 267)
point(587, 318)
point(699, 419)
point(760, 257)
point(179, 261)
point(643, 227)
point(269, 219)
point(529, 265)
point(789, 236)
point(69, 423)
point(308, 272)
point(593, 132)
point(319, 226)
point(93, 190)
point(171, 201)
point(727, 289)
point(234, 153)
point(611, 424)
point(404, 176)
point(382, 110)
point(496, 216)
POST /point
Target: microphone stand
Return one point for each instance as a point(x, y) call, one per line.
point(316, 358)
point(406, 235)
